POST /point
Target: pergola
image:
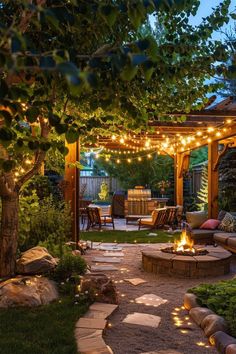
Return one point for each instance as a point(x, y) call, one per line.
point(213, 126)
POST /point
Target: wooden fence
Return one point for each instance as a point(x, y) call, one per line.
point(93, 185)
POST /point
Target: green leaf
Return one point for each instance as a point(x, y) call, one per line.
point(6, 134)
point(54, 119)
point(72, 135)
point(61, 128)
point(109, 13)
point(63, 150)
point(32, 114)
point(45, 146)
point(68, 68)
point(7, 117)
point(129, 73)
point(8, 165)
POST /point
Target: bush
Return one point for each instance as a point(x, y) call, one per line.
point(43, 222)
point(220, 298)
point(69, 266)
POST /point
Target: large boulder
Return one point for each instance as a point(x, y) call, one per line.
point(99, 287)
point(36, 260)
point(27, 291)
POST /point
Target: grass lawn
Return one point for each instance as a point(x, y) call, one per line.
point(128, 236)
point(46, 329)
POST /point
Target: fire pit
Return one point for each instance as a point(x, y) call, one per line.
point(185, 247)
point(184, 259)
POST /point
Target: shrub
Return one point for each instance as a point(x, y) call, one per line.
point(69, 266)
point(44, 221)
point(220, 298)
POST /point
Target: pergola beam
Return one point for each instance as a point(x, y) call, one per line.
point(213, 182)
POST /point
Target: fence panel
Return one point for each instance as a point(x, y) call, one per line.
point(92, 185)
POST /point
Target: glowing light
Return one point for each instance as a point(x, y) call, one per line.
point(107, 159)
point(28, 162)
point(122, 140)
point(22, 170)
point(228, 121)
point(17, 174)
point(113, 137)
point(139, 158)
point(200, 344)
point(149, 156)
point(128, 160)
point(209, 140)
point(210, 129)
point(96, 156)
point(199, 133)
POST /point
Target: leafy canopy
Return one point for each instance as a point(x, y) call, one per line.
point(81, 68)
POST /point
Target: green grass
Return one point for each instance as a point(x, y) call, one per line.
point(46, 329)
point(128, 236)
point(220, 298)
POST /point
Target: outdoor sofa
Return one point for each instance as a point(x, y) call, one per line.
point(226, 239)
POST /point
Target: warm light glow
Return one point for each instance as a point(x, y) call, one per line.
point(210, 129)
point(218, 134)
point(209, 140)
point(139, 158)
point(113, 137)
point(122, 140)
point(184, 244)
point(107, 158)
point(199, 133)
point(229, 121)
point(128, 160)
point(28, 162)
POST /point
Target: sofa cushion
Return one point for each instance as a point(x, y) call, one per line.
point(228, 224)
point(221, 215)
point(202, 233)
point(221, 237)
point(196, 218)
point(232, 241)
point(210, 224)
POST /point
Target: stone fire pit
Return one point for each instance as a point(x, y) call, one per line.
point(215, 262)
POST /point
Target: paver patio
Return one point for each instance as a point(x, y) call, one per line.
point(176, 333)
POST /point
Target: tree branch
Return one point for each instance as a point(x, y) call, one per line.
point(45, 129)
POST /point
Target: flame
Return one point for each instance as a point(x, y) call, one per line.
point(184, 244)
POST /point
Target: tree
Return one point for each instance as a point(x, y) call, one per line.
point(76, 68)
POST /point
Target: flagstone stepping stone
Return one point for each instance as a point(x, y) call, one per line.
point(150, 300)
point(100, 310)
point(110, 248)
point(106, 260)
point(103, 268)
point(106, 308)
point(90, 341)
point(142, 319)
point(92, 323)
point(136, 281)
point(113, 254)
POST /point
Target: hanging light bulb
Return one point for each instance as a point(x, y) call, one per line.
point(128, 160)
point(210, 129)
point(107, 159)
point(139, 158)
point(118, 160)
point(228, 121)
point(122, 140)
point(149, 156)
point(113, 137)
point(28, 162)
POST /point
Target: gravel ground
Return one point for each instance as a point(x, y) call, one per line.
point(123, 338)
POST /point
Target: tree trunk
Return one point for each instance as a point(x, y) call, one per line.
point(9, 234)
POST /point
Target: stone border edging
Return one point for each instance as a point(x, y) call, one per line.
point(90, 327)
point(214, 326)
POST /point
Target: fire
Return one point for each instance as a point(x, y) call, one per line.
point(185, 244)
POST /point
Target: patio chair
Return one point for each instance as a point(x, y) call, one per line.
point(171, 216)
point(97, 219)
point(156, 220)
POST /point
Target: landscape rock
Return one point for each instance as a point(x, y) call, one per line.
point(221, 340)
point(36, 260)
point(190, 301)
point(231, 349)
point(100, 287)
point(213, 323)
point(27, 291)
point(199, 313)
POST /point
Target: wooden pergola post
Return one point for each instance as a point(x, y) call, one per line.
point(212, 180)
point(72, 179)
point(179, 181)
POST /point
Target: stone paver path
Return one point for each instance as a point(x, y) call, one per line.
point(175, 333)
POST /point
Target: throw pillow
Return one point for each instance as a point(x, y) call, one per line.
point(228, 224)
point(210, 224)
point(196, 218)
point(221, 215)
